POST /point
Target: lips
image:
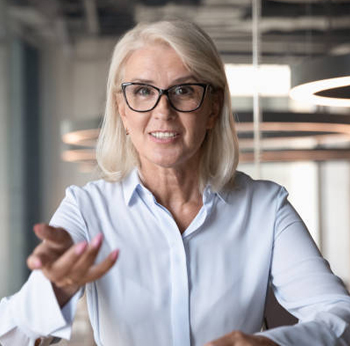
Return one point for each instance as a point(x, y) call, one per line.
point(164, 134)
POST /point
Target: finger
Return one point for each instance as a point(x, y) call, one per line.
point(87, 259)
point(56, 237)
point(75, 262)
point(98, 270)
point(33, 262)
point(64, 264)
point(40, 260)
point(42, 255)
point(231, 339)
point(224, 341)
point(94, 272)
point(220, 342)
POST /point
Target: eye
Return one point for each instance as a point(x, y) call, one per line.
point(183, 90)
point(143, 90)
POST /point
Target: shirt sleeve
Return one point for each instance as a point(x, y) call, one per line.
point(21, 315)
point(34, 312)
point(68, 215)
point(304, 284)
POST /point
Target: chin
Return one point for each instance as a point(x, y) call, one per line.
point(166, 163)
point(171, 160)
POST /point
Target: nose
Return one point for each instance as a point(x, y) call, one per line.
point(163, 109)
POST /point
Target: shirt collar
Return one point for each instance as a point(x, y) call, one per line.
point(223, 196)
point(208, 193)
point(132, 182)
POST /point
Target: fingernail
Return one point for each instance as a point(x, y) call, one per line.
point(80, 247)
point(97, 240)
point(114, 255)
point(36, 263)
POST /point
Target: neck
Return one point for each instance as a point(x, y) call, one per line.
point(172, 185)
point(177, 189)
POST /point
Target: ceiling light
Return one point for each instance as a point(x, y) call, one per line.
point(286, 136)
point(323, 81)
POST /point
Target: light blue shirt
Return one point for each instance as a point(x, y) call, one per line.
point(169, 288)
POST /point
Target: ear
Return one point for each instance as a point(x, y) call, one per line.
point(216, 105)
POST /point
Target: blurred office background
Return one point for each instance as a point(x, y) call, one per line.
point(54, 57)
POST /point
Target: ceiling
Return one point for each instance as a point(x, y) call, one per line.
point(290, 30)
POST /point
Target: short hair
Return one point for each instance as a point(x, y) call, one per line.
point(116, 155)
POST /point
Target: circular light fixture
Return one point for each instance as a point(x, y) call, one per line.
point(80, 132)
point(323, 81)
point(297, 155)
point(286, 136)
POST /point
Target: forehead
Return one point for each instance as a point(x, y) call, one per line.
point(155, 63)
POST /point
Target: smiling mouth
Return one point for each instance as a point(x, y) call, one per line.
point(164, 135)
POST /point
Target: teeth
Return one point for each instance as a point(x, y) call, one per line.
point(163, 134)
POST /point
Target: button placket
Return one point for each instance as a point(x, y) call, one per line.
point(179, 277)
point(180, 295)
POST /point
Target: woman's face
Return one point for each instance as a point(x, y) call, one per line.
point(164, 136)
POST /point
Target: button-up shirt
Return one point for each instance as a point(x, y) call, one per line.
point(187, 289)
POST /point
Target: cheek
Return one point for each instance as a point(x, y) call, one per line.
point(198, 130)
point(135, 123)
point(127, 118)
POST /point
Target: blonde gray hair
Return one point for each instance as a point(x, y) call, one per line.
point(116, 156)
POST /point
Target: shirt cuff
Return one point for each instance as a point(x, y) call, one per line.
point(36, 312)
point(302, 334)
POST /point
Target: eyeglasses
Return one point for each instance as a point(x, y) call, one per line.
point(186, 97)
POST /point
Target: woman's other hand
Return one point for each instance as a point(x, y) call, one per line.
point(67, 265)
point(237, 338)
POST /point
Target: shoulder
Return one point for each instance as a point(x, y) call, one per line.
point(94, 190)
point(244, 181)
point(245, 187)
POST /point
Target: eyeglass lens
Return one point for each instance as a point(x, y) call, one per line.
point(144, 97)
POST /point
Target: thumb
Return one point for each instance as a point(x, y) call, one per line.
point(55, 236)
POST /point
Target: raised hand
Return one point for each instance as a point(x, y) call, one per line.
point(237, 338)
point(67, 265)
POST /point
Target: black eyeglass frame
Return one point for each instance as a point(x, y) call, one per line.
point(165, 92)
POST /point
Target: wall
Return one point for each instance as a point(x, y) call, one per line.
point(4, 192)
point(73, 87)
point(335, 216)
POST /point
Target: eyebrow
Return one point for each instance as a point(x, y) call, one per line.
point(176, 81)
point(186, 79)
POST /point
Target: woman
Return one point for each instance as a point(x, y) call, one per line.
point(200, 242)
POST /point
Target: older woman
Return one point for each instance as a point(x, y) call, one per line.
point(200, 242)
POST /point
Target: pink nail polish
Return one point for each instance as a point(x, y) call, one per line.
point(36, 228)
point(114, 255)
point(37, 263)
point(80, 247)
point(97, 240)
